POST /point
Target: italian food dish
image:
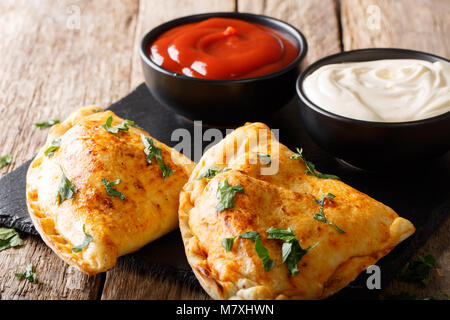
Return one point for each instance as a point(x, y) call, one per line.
point(101, 187)
point(223, 48)
point(293, 233)
point(389, 90)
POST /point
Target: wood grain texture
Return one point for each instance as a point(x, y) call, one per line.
point(317, 20)
point(420, 25)
point(129, 280)
point(48, 68)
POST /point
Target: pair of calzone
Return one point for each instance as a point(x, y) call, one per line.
point(258, 221)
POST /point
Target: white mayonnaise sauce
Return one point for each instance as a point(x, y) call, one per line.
point(395, 90)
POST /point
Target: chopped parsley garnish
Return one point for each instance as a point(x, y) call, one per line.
point(153, 151)
point(123, 126)
point(291, 250)
point(5, 160)
point(28, 274)
point(45, 124)
point(264, 158)
point(87, 239)
point(9, 238)
point(96, 110)
point(211, 172)
point(227, 243)
point(417, 270)
point(261, 251)
point(53, 147)
point(66, 189)
point(110, 190)
point(310, 167)
point(320, 216)
point(225, 194)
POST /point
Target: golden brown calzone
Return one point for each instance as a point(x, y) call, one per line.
point(95, 224)
point(290, 198)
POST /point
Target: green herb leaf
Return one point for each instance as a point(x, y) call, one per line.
point(53, 147)
point(225, 194)
point(263, 254)
point(264, 158)
point(110, 190)
point(28, 274)
point(153, 151)
point(66, 189)
point(5, 160)
point(408, 296)
point(227, 243)
point(9, 238)
point(320, 216)
point(211, 172)
point(96, 110)
point(251, 235)
point(87, 239)
point(261, 251)
point(45, 124)
point(123, 126)
point(291, 251)
point(417, 270)
point(310, 167)
point(281, 234)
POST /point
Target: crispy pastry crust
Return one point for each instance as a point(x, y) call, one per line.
point(284, 199)
point(88, 153)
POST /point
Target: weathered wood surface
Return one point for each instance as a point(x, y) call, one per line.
point(49, 67)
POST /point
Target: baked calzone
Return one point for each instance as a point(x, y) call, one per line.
point(101, 187)
point(258, 221)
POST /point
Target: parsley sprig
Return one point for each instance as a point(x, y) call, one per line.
point(320, 216)
point(110, 190)
point(261, 251)
point(45, 124)
point(291, 251)
point(28, 274)
point(227, 243)
point(264, 158)
point(87, 239)
point(310, 167)
point(9, 238)
point(211, 172)
point(153, 151)
point(417, 270)
point(66, 189)
point(54, 146)
point(5, 160)
point(123, 126)
point(226, 194)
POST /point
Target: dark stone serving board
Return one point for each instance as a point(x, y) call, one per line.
point(420, 194)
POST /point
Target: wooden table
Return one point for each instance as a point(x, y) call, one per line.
point(56, 56)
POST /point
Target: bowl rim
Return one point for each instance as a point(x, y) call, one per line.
point(325, 60)
point(290, 29)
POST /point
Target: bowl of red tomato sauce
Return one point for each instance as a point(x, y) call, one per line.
point(223, 68)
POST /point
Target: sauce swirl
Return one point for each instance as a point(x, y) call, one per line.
point(223, 48)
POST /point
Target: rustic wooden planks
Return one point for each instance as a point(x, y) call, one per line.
point(48, 68)
point(317, 20)
point(420, 25)
point(129, 280)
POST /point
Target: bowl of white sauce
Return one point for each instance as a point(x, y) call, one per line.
point(378, 108)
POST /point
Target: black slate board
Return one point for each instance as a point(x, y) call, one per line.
point(420, 194)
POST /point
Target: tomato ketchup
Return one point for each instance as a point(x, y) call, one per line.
point(223, 48)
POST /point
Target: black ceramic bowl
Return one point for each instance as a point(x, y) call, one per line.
point(222, 101)
point(368, 144)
